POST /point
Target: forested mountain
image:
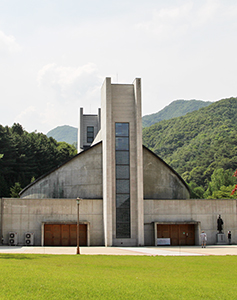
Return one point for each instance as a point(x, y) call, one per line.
point(201, 146)
point(175, 109)
point(64, 133)
point(25, 156)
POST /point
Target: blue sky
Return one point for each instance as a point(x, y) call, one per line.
point(54, 55)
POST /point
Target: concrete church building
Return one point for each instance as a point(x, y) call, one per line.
point(129, 196)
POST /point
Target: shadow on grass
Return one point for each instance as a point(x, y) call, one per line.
point(16, 256)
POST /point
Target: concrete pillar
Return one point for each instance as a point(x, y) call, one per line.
point(106, 120)
point(139, 156)
point(80, 132)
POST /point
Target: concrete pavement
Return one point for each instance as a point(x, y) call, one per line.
point(149, 251)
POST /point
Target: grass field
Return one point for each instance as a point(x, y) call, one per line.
point(117, 277)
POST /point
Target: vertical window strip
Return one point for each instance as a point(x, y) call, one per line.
point(122, 162)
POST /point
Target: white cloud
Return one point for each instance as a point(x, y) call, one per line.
point(167, 22)
point(8, 43)
point(180, 49)
point(68, 89)
point(70, 83)
point(28, 116)
point(178, 20)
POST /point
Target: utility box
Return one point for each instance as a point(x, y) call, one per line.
point(13, 240)
point(29, 238)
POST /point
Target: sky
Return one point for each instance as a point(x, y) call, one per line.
point(55, 55)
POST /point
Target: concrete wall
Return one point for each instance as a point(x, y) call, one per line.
point(80, 177)
point(204, 212)
point(160, 181)
point(27, 215)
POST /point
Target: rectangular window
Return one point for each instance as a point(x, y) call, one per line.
point(122, 162)
point(122, 171)
point(122, 157)
point(122, 143)
point(90, 134)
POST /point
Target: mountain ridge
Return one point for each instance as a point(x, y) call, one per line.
point(175, 109)
point(68, 134)
point(64, 133)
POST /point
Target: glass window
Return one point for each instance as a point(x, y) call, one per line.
point(122, 171)
point(122, 143)
point(122, 186)
point(123, 201)
point(122, 157)
point(123, 215)
point(122, 180)
point(90, 134)
point(122, 230)
point(121, 129)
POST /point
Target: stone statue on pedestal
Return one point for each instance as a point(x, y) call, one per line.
point(220, 224)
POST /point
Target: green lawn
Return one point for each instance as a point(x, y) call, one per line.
point(117, 277)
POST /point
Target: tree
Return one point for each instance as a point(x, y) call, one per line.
point(223, 193)
point(235, 189)
point(24, 156)
point(15, 190)
point(17, 128)
point(221, 180)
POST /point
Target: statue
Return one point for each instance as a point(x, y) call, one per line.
point(220, 224)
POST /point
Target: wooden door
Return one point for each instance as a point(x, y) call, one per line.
point(73, 234)
point(83, 234)
point(48, 234)
point(64, 235)
point(174, 235)
point(57, 235)
point(191, 235)
point(179, 234)
point(182, 234)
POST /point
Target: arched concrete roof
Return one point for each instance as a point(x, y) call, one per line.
point(161, 181)
point(79, 176)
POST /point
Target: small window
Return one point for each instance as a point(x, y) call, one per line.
point(90, 134)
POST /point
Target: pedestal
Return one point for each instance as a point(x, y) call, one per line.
point(220, 239)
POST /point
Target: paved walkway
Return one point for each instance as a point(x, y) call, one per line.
point(150, 251)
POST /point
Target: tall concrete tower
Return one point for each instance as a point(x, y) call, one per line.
point(121, 134)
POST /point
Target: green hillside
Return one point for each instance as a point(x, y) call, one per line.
point(64, 133)
point(175, 109)
point(199, 144)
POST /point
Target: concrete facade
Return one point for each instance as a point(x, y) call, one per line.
point(153, 193)
point(29, 215)
point(203, 213)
